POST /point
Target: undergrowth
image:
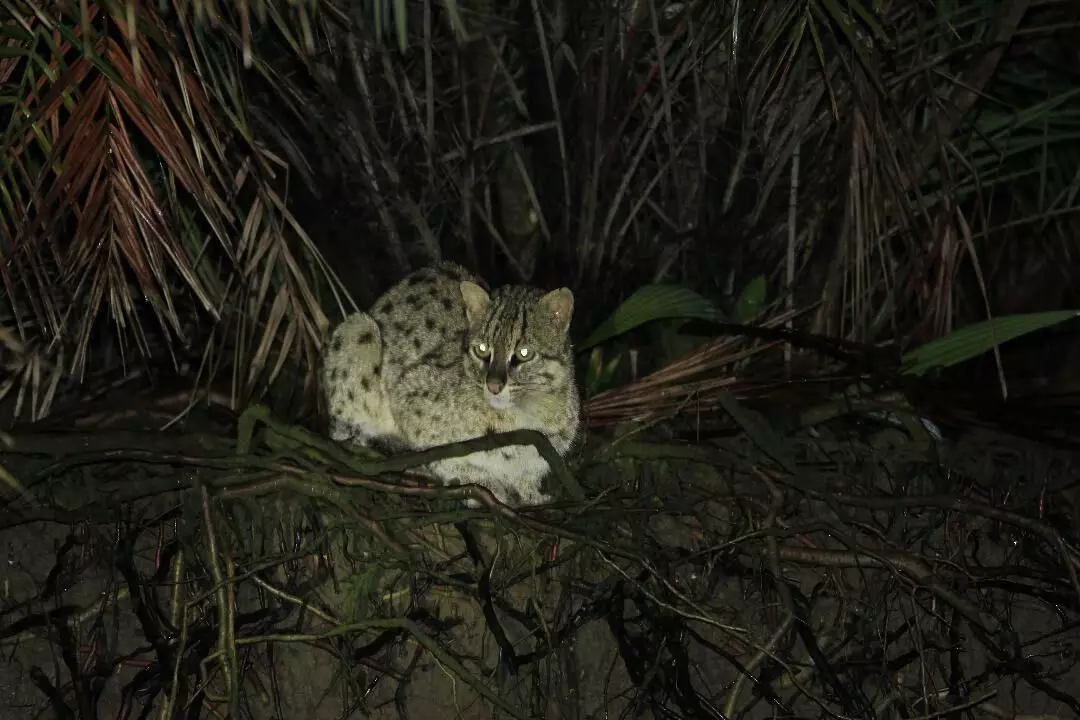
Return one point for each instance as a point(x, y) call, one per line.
point(858, 566)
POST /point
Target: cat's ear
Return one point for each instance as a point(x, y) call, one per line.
point(476, 300)
point(558, 307)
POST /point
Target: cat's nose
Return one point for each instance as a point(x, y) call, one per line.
point(495, 385)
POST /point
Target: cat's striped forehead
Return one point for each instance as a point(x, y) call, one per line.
point(513, 314)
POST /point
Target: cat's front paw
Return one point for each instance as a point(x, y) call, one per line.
point(543, 499)
point(526, 496)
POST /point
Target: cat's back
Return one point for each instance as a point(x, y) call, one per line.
point(422, 317)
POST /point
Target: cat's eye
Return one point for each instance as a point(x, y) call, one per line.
point(481, 350)
point(524, 354)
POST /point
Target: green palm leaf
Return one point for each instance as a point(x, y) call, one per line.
point(974, 340)
point(649, 303)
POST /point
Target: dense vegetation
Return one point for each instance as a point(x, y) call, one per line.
point(198, 177)
point(192, 193)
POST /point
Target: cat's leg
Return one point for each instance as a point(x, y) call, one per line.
point(430, 410)
point(357, 405)
point(522, 470)
point(513, 474)
point(418, 401)
point(423, 411)
point(455, 471)
point(420, 406)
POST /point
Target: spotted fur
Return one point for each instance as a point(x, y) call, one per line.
point(439, 360)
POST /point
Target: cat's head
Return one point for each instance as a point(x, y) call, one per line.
point(518, 343)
